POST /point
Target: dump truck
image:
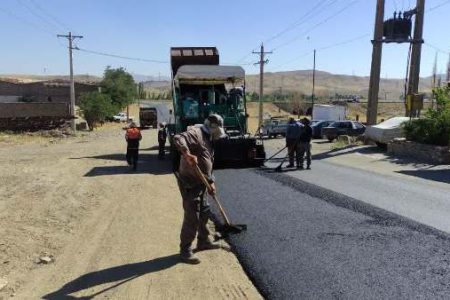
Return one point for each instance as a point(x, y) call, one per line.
point(200, 87)
point(148, 116)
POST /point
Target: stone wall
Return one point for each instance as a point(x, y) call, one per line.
point(420, 152)
point(27, 110)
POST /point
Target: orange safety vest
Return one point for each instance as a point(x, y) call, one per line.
point(133, 134)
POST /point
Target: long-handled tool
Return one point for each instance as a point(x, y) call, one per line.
point(279, 168)
point(278, 152)
point(227, 228)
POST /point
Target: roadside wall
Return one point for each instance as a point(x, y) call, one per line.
point(27, 110)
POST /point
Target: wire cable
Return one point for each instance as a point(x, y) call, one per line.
point(121, 56)
point(49, 24)
point(437, 6)
point(49, 15)
point(25, 21)
point(317, 24)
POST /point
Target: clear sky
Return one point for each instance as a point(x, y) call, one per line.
point(147, 29)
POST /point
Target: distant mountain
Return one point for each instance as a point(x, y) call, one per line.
point(144, 78)
point(327, 84)
point(30, 78)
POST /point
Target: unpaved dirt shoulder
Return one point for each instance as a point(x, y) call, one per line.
point(113, 233)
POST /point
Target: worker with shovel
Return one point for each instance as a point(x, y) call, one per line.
point(196, 148)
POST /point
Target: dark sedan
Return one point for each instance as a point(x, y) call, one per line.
point(335, 129)
point(317, 128)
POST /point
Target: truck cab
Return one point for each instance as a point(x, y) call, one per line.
point(200, 87)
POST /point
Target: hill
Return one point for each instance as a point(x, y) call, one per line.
point(327, 84)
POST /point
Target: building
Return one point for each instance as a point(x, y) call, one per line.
point(58, 90)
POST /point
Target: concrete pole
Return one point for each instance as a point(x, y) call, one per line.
point(374, 84)
point(72, 85)
point(261, 86)
point(414, 68)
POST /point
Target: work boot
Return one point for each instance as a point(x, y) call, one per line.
point(308, 167)
point(300, 167)
point(207, 245)
point(290, 166)
point(189, 258)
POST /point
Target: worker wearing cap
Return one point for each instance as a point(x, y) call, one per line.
point(305, 143)
point(293, 133)
point(133, 137)
point(196, 148)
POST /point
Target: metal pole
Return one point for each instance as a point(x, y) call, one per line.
point(374, 84)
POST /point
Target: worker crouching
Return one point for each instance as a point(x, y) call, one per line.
point(196, 148)
point(133, 137)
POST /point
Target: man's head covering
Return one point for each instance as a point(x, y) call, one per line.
point(291, 120)
point(305, 121)
point(213, 126)
point(132, 125)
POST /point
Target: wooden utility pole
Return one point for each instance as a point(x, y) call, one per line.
point(71, 38)
point(374, 84)
point(416, 51)
point(313, 83)
point(261, 63)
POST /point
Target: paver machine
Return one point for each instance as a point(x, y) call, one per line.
point(200, 87)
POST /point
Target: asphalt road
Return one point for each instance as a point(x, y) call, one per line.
point(309, 242)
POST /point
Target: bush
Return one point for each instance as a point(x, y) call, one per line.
point(96, 107)
point(435, 128)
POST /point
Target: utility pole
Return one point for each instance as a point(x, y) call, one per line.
point(374, 84)
point(261, 63)
point(448, 69)
point(313, 83)
point(71, 38)
point(414, 68)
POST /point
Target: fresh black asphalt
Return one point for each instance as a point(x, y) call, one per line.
point(306, 242)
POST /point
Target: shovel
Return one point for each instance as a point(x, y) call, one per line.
point(227, 228)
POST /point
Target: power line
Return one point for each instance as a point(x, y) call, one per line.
point(301, 20)
point(436, 48)
point(318, 24)
point(54, 19)
point(25, 21)
point(121, 56)
point(326, 48)
point(37, 15)
point(437, 6)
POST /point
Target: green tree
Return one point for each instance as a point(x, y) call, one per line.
point(120, 86)
point(95, 107)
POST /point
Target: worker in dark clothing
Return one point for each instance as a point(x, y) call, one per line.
point(293, 133)
point(196, 148)
point(162, 137)
point(133, 137)
point(305, 144)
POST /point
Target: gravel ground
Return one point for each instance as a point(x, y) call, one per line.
point(306, 242)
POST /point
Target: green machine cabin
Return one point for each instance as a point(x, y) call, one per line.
point(200, 87)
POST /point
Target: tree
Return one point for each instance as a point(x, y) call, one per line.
point(120, 86)
point(95, 107)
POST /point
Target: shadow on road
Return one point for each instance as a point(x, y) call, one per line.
point(435, 175)
point(347, 150)
point(122, 273)
point(148, 164)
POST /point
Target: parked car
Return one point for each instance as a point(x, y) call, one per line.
point(122, 117)
point(386, 131)
point(276, 129)
point(350, 128)
point(317, 126)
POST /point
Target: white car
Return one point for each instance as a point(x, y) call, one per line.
point(386, 131)
point(122, 117)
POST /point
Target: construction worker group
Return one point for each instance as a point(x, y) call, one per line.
point(298, 142)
